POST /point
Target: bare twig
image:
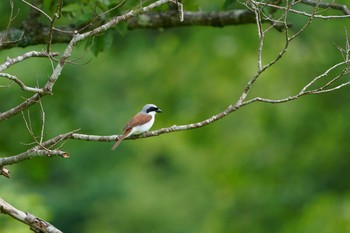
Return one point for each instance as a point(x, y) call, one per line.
point(42, 150)
point(17, 109)
point(112, 9)
point(299, 12)
point(56, 15)
point(38, 91)
point(11, 61)
point(21, 84)
point(42, 122)
point(38, 9)
point(261, 34)
point(327, 5)
point(28, 124)
point(255, 5)
point(9, 22)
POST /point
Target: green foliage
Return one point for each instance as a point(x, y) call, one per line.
point(100, 43)
point(229, 4)
point(191, 5)
point(265, 168)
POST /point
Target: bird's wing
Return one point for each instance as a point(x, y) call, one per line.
point(138, 119)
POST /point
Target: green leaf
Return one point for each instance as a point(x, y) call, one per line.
point(101, 43)
point(122, 28)
point(101, 6)
point(191, 5)
point(71, 7)
point(229, 4)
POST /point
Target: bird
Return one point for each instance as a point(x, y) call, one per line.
point(140, 123)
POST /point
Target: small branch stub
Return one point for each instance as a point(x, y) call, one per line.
point(5, 172)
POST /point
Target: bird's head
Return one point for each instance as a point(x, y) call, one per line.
point(148, 108)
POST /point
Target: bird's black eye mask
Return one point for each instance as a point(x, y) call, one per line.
point(153, 109)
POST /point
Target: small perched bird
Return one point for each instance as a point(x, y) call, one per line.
point(140, 123)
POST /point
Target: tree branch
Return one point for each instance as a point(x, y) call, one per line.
point(156, 20)
point(21, 84)
point(40, 150)
point(36, 224)
point(152, 20)
point(17, 109)
point(326, 5)
point(39, 91)
point(11, 61)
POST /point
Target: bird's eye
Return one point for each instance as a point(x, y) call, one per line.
point(151, 109)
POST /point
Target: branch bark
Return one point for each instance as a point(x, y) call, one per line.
point(16, 37)
point(36, 224)
point(326, 5)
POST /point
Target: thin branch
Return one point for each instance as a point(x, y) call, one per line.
point(56, 15)
point(28, 124)
point(327, 5)
point(38, 9)
point(42, 122)
point(10, 20)
point(17, 109)
point(322, 75)
point(21, 84)
point(36, 224)
point(112, 9)
point(39, 92)
point(318, 16)
point(11, 61)
point(261, 34)
point(42, 150)
point(262, 68)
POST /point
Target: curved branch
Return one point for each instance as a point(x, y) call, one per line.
point(21, 84)
point(17, 109)
point(36, 224)
point(11, 61)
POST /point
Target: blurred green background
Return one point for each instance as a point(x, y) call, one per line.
point(265, 168)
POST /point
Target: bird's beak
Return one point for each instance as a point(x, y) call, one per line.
point(159, 110)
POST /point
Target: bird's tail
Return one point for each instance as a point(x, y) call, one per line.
point(118, 142)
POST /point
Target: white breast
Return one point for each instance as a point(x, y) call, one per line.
point(143, 128)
